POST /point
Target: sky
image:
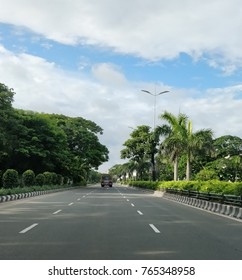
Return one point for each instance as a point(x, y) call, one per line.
point(93, 58)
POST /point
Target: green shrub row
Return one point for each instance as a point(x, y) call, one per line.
point(144, 184)
point(212, 186)
point(20, 190)
point(11, 179)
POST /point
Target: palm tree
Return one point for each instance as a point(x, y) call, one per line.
point(198, 141)
point(174, 143)
point(182, 139)
point(153, 142)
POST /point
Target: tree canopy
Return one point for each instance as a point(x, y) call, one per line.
point(175, 146)
point(47, 142)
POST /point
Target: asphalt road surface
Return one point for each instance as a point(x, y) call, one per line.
point(95, 223)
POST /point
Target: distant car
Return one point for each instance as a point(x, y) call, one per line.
point(106, 180)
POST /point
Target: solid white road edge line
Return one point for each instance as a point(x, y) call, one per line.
point(28, 228)
point(154, 228)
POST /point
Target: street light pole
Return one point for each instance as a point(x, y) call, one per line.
point(153, 143)
point(155, 95)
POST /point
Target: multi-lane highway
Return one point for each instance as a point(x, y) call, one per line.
point(113, 223)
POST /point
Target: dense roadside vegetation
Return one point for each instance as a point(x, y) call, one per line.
point(174, 152)
point(38, 149)
point(211, 186)
point(43, 151)
point(174, 156)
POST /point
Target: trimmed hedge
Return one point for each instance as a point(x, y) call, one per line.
point(28, 178)
point(212, 186)
point(10, 179)
point(19, 190)
point(40, 179)
point(144, 184)
point(12, 183)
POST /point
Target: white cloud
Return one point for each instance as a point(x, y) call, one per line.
point(109, 74)
point(42, 86)
point(151, 29)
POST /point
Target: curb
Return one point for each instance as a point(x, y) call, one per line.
point(12, 197)
point(215, 207)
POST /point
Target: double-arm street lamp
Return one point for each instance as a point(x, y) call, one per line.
point(153, 153)
point(155, 95)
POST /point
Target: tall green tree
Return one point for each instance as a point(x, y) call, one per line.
point(121, 171)
point(196, 141)
point(227, 145)
point(182, 140)
point(173, 145)
point(139, 148)
point(227, 158)
point(86, 151)
point(7, 122)
point(142, 148)
point(153, 146)
point(47, 142)
point(39, 144)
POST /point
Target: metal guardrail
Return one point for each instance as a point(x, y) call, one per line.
point(220, 198)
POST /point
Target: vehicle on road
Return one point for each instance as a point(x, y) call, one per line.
point(106, 180)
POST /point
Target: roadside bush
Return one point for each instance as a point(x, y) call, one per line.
point(180, 185)
point(214, 186)
point(144, 184)
point(233, 188)
point(5, 192)
point(51, 178)
point(28, 178)
point(54, 178)
point(82, 183)
point(65, 180)
point(211, 186)
point(60, 180)
point(10, 179)
point(205, 175)
point(40, 180)
point(1, 179)
point(48, 178)
point(238, 188)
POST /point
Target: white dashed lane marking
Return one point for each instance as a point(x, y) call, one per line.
point(56, 212)
point(155, 229)
point(28, 228)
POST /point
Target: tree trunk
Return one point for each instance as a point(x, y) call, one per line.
point(188, 170)
point(153, 167)
point(175, 169)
